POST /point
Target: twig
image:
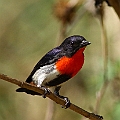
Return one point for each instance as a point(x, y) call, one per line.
point(56, 99)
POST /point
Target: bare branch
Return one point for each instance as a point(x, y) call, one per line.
point(56, 99)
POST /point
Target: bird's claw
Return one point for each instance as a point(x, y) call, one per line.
point(46, 91)
point(56, 92)
point(67, 104)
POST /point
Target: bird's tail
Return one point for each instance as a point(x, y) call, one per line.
point(27, 91)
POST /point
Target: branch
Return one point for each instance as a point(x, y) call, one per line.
point(56, 99)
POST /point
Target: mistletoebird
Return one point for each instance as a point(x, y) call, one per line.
point(58, 66)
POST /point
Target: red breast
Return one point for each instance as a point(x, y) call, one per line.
point(71, 66)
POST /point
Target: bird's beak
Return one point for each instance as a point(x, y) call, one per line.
point(85, 43)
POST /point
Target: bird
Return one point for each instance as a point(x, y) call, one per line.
point(58, 66)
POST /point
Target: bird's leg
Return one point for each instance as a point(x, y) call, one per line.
point(56, 92)
point(46, 91)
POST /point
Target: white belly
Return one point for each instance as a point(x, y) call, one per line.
point(45, 74)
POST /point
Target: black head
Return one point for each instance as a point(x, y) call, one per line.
point(73, 43)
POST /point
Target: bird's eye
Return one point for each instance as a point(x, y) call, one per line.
point(74, 44)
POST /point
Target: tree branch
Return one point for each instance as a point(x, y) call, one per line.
point(56, 99)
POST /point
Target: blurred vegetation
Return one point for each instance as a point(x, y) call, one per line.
point(29, 29)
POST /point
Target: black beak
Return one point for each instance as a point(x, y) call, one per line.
point(85, 43)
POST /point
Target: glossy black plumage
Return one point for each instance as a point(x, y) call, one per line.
point(65, 49)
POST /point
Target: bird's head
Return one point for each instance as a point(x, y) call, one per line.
point(73, 43)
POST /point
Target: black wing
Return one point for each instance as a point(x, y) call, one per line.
point(51, 57)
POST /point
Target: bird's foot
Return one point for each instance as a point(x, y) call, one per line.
point(67, 104)
point(56, 92)
point(46, 91)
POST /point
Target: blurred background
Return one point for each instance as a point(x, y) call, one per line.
point(30, 28)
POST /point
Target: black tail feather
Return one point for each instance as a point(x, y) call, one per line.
point(27, 91)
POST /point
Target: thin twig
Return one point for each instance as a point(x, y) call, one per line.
point(53, 97)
